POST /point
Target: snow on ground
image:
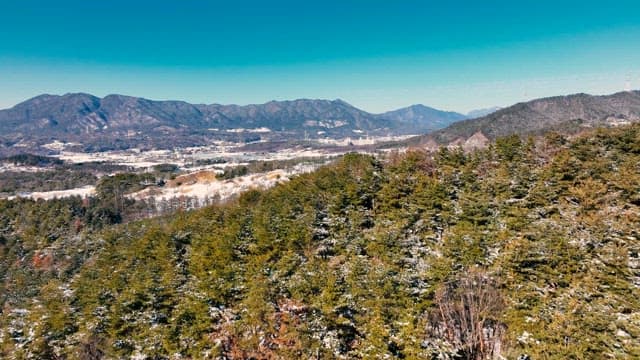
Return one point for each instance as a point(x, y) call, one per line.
point(21, 168)
point(84, 191)
point(363, 140)
point(58, 145)
point(203, 184)
point(185, 156)
point(219, 149)
point(256, 130)
point(199, 184)
point(134, 158)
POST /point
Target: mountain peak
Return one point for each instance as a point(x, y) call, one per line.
point(422, 118)
point(421, 107)
point(119, 96)
point(77, 94)
point(341, 102)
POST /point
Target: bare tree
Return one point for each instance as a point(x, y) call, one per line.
point(467, 316)
point(91, 349)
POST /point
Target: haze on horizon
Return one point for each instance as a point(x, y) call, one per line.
point(377, 55)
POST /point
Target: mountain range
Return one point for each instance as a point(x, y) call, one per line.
point(118, 121)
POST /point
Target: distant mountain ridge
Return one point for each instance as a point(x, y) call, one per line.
point(417, 116)
point(568, 114)
point(120, 122)
point(482, 112)
point(117, 121)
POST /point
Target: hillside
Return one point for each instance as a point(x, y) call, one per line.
point(117, 121)
point(526, 248)
point(568, 114)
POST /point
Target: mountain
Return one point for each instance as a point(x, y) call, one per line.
point(420, 118)
point(84, 113)
point(482, 112)
point(335, 117)
point(118, 121)
point(568, 114)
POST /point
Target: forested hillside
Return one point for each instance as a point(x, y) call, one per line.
point(528, 248)
point(568, 114)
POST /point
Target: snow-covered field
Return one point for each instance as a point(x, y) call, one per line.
point(199, 181)
point(199, 185)
point(203, 184)
point(84, 191)
point(186, 156)
point(11, 167)
point(58, 145)
point(367, 140)
point(231, 152)
point(256, 130)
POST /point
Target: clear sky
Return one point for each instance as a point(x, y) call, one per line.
point(378, 55)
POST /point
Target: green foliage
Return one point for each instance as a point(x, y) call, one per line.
point(31, 160)
point(165, 168)
point(351, 261)
point(14, 182)
point(52, 174)
point(123, 183)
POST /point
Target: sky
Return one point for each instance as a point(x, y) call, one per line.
point(377, 55)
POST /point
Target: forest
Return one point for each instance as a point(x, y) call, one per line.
point(528, 249)
point(49, 173)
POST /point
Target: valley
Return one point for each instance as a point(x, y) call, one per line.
point(290, 151)
point(197, 173)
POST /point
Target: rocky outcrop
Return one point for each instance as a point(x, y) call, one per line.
point(476, 141)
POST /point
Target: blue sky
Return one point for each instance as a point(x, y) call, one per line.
point(377, 55)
